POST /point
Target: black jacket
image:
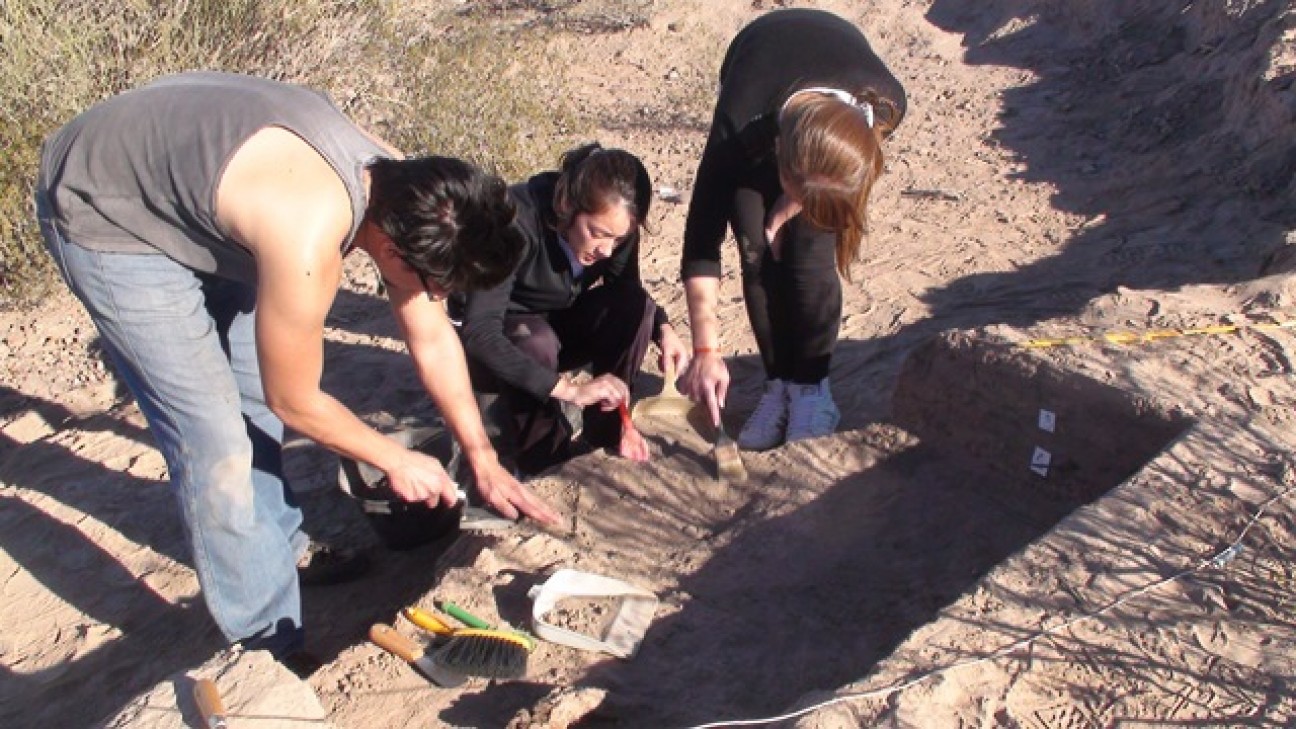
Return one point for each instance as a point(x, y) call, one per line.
point(541, 283)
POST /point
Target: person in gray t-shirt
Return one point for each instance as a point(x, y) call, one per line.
point(202, 220)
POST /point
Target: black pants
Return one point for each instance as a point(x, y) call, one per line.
point(607, 329)
point(795, 304)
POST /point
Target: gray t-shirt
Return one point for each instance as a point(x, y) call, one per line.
point(138, 172)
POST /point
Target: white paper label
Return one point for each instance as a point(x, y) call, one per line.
point(1040, 461)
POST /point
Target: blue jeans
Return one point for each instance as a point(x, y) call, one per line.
point(184, 343)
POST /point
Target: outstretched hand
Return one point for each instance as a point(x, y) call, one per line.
point(503, 493)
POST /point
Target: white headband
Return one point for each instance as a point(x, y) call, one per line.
point(838, 94)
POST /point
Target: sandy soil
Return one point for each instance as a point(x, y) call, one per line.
point(1088, 172)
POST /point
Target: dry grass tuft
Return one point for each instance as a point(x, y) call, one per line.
point(417, 73)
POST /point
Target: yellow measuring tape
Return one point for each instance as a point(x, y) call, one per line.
point(1152, 335)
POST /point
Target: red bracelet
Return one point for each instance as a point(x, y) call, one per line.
point(704, 350)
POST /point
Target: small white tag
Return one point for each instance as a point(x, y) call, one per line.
point(1040, 461)
point(1047, 420)
point(669, 194)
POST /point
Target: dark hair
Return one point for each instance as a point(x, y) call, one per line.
point(450, 220)
point(592, 179)
point(831, 154)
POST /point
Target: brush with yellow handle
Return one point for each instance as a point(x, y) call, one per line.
point(477, 650)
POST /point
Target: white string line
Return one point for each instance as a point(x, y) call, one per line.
point(1221, 558)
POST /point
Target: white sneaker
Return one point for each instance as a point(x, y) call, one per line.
point(811, 411)
point(766, 426)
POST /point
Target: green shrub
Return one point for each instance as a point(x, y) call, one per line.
point(402, 69)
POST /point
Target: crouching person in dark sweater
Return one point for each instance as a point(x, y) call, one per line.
point(574, 300)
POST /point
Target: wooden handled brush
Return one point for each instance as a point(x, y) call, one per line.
point(729, 465)
point(385, 637)
point(208, 698)
point(475, 651)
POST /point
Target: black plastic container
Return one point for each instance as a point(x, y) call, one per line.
point(402, 525)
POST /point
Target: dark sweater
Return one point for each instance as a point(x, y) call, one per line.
point(775, 55)
point(541, 283)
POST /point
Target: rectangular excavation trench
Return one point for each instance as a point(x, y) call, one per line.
point(1046, 440)
point(810, 598)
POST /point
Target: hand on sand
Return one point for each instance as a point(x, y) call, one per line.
point(506, 495)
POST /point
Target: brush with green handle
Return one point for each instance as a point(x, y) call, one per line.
point(472, 621)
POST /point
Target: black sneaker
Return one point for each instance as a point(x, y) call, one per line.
point(327, 565)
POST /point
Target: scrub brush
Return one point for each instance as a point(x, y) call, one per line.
point(475, 651)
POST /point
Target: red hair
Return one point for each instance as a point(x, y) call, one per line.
point(830, 156)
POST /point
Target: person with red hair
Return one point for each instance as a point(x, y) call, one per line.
point(795, 146)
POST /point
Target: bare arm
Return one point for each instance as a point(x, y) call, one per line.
point(707, 378)
point(283, 202)
point(292, 303)
point(439, 359)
